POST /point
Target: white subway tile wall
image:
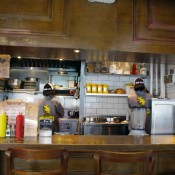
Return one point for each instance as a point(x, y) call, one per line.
point(101, 105)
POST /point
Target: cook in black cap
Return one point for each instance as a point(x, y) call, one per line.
point(139, 99)
point(50, 106)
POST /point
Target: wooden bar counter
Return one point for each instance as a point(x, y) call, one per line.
point(82, 148)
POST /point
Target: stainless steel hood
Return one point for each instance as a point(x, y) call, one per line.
point(52, 66)
point(84, 54)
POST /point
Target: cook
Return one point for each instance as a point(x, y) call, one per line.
point(140, 113)
point(50, 106)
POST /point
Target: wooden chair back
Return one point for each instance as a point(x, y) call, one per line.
point(143, 159)
point(25, 161)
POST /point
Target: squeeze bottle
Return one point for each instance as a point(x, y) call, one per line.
point(3, 125)
point(19, 126)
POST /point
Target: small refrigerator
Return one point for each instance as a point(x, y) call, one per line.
point(163, 116)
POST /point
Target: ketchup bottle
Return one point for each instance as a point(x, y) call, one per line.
point(19, 126)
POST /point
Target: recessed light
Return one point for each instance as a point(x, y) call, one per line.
point(19, 57)
point(76, 51)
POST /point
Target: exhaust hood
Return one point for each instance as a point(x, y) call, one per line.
point(61, 67)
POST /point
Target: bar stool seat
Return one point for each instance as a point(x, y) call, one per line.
point(30, 161)
point(118, 163)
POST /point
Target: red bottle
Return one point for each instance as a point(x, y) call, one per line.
point(19, 126)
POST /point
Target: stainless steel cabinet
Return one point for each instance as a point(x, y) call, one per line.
point(105, 129)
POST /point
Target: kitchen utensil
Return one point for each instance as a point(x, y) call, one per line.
point(14, 84)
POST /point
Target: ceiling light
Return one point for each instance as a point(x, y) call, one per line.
point(76, 51)
point(19, 57)
point(103, 1)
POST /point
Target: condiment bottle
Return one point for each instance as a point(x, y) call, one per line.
point(19, 126)
point(3, 125)
point(135, 69)
point(8, 131)
point(12, 131)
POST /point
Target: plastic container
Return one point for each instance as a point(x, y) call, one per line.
point(88, 88)
point(119, 69)
point(143, 69)
point(3, 125)
point(19, 126)
point(126, 69)
point(105, 89)
point(112, 68)
point(94, 88)
point(100, 88)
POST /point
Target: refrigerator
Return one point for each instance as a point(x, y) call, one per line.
point(162, 116)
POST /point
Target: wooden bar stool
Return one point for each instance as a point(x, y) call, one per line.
point(30, 161)
point(118, 163)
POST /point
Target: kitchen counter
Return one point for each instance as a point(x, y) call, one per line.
point(82, 148)
point(94, 142)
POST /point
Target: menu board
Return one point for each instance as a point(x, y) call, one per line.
point(31, 120)
point(12, 109)
point(29, 110)
point(4, 66)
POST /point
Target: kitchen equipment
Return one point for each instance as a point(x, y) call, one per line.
point(162, 116)
point(109, 128)
point(14, 83)
point(73, 114)
point(62, 91)
point(68, 125)
point(104, 125)
point(138, 120)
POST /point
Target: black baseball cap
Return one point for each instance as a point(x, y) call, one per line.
point(48, 90)
point(139, 84)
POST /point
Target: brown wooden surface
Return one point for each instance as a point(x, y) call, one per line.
point(82, 148)
point(127, 25)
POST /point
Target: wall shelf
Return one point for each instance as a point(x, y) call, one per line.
point(100, 73)
point(108, 95)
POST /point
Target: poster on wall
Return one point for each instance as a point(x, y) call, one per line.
point(4, 66)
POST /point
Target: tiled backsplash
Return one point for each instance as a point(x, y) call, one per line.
point(108, 104)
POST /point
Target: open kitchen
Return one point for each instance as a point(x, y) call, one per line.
point(91, 53)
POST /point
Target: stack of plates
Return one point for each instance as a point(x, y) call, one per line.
point(31, 84)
